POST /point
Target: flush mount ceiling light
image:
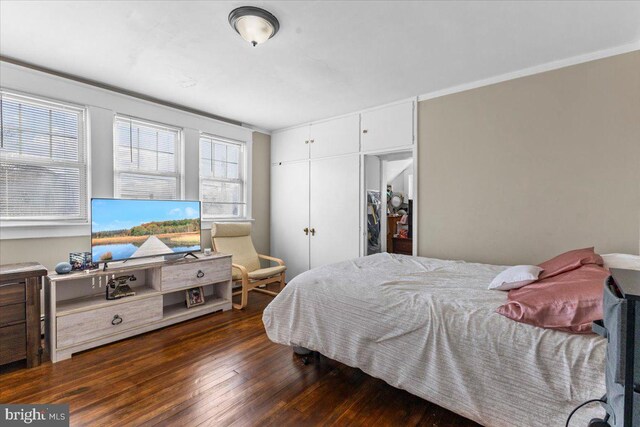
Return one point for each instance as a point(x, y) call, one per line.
point(255, 25)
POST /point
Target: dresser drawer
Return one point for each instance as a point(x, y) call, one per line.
point(13, 345)
point(12, 313)
point(193, 274)
point(80, 327)
point(12, 293)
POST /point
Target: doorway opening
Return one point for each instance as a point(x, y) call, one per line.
point(389, 194)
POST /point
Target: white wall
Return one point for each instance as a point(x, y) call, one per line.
point(101, 106)
point(407, 177)
point(52, 244)
point(401, 182)
point(398, 184)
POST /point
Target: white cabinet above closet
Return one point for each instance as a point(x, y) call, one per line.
point(387, 127)
point(329, 138)
point(289, 145)
point(335, 137)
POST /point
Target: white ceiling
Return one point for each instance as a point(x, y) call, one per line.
point(329, 58)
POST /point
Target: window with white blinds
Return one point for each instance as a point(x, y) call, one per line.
point(147, 160)
point(43, 162)
point(222, 183)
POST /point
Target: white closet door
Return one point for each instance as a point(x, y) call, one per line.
point(290, 215)
point(335, 210)
point(388, 127)
point(335, 137)
point(290, 145)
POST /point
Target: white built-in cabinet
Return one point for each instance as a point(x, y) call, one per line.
point(334, 137)
point(315, 212)
point(290, 215)
point(334, 209)
point(329, 138)
point(388, 127)
point(315, 183)
point(290, 145)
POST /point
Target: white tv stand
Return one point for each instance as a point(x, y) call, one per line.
point(79, 317)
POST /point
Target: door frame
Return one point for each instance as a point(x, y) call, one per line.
point(413, 149)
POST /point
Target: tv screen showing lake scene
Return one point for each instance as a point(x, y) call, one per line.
point(122, 229)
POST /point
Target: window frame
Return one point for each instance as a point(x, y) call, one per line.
point(179, 156)
point(83, 164)
point(243, 173)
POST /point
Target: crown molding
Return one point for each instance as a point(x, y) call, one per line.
point(549, 66)
point(119, 90)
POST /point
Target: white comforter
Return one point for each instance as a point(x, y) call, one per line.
point(429, 327)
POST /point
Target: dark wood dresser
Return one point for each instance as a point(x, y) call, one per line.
point(392, 229)
point(402, 246)
point(20, 312)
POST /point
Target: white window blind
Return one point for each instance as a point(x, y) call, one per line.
point(222, 183)
point(147, 160)
point(43, 166)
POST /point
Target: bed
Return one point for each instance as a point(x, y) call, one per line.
point(429, 326)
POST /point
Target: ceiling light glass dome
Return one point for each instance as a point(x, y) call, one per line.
point(255, 25)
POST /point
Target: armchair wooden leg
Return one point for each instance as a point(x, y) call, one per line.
point(244, 299)
point(282, 281)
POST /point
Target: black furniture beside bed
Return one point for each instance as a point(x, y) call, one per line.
point(621, 327)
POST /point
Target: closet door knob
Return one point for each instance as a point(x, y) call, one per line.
point(364, 131)
point(306, 231)
point(312, 141)
point(116, 320)
point(307, 141)
point(313, 231)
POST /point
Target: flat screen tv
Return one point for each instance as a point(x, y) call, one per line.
point(123, 229)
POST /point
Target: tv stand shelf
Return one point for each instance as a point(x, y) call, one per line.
point(178, 310)
point(91, 302)
point(79, 317)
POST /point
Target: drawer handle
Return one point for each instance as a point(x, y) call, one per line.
point(116, 320)
point(200, 274)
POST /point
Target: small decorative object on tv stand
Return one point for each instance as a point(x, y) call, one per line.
point(117, 287)
point(81, 261)
point(194, 297)
point(78, 317)
point(63, 268)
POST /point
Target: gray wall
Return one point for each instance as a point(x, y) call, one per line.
point(522, 170)
point(48, 251)
point(261, 193)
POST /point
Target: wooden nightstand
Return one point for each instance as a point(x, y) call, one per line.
point(20, 286)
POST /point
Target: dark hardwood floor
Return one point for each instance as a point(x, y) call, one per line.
point(219, 369)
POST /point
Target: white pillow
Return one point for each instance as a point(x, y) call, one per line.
point(515, 277)
point(626, 261)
